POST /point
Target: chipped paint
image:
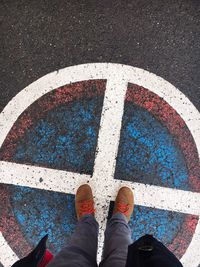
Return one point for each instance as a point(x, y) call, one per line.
point(118, 77)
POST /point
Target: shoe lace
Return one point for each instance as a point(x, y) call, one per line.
point(86, 207)
point(123, 208)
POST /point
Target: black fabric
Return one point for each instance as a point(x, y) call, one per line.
point(145, 252)
point(149, 252)
point(35, 257)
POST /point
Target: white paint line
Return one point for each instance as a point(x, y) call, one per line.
point(187, 259)
point(102, 208)
point(127, 74)
point(107, 148)
point(92, 71)
point(162, 197)
point(109, 133)
point(42, 86)
point(53, 180)
point(8, 257)
point(175, 98)
point(67, 182)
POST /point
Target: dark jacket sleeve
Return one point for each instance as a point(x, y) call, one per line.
point(149, 252)
point(39, 257)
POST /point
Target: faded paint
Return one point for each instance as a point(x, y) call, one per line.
point(64, 137)
point(100, 71)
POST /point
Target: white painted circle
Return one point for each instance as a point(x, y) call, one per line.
point(117, 76)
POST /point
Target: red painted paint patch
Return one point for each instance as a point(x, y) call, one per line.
point(180, 243)
point(9, 226)
point(164, 113)
point(140, 96)
point(38, 109)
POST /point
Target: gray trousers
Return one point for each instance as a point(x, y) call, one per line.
point(82, 249)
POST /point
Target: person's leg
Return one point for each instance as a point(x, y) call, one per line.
point(118, 232)
point(82, 248)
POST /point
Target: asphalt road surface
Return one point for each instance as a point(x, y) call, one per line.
point(38, 37)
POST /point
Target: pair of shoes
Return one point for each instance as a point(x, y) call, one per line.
point(124, 202)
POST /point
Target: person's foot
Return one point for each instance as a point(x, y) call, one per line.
point(84, 201)
point(124, 202)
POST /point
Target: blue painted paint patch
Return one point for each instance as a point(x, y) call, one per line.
point(162, 224)
point(148, 153)
point(39, 212)
point(65, 139)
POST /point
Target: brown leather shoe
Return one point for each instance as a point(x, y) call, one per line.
point(124, 202)
point(84, 201)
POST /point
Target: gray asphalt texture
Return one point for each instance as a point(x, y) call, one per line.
point(41, 36)
point(37, 37)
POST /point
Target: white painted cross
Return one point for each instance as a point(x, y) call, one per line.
point(104, 185)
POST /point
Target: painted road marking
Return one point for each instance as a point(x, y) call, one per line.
point(115, 74)
point(107, 147)
point(10, 255)
point(67, 182)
